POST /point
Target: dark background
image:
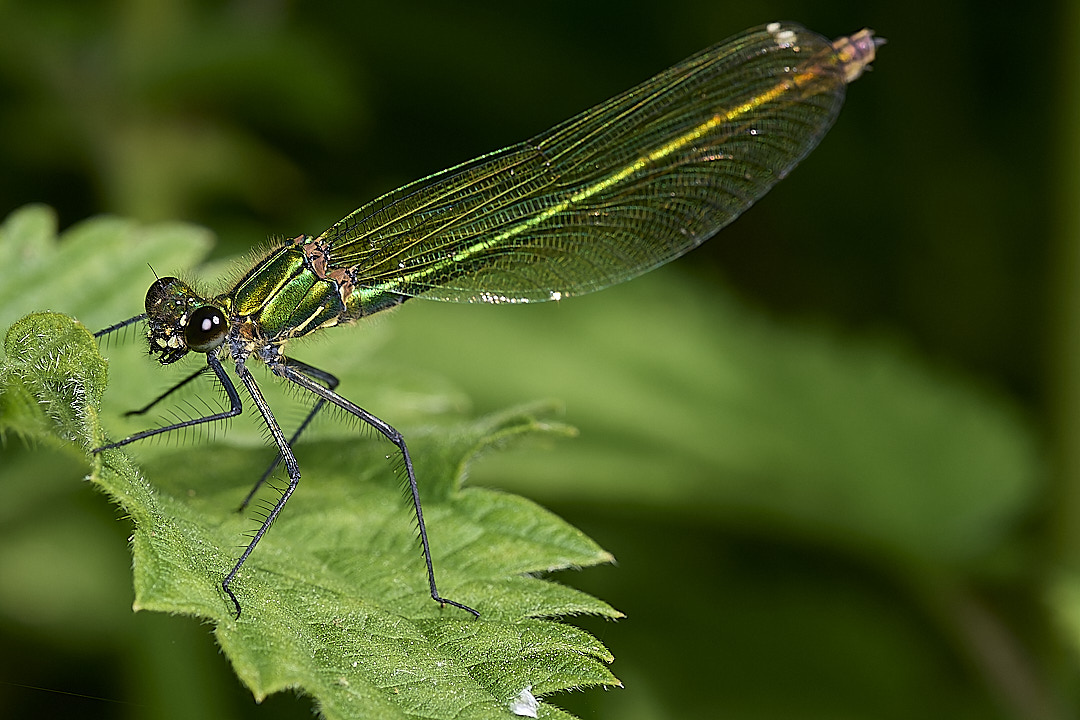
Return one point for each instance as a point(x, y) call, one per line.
point(940, 210)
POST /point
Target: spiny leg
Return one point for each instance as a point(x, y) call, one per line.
point(146, 408)
point(119, 326)
point(297, 373)
point(331, 383)
point(235, 408)
point(291, 466)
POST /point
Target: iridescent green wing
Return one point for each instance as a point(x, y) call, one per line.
point(616, 191)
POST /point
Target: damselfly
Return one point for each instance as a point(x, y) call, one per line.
point(603, 197)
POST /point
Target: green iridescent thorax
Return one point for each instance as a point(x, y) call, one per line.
point(284, 297)
point(360, 295)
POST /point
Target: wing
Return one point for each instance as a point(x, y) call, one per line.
point(614, 192)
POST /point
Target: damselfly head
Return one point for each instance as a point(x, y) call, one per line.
point(180, 320)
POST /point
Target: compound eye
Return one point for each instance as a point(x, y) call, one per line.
point(206, 329)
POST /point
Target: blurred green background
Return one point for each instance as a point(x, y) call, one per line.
point(934, 227)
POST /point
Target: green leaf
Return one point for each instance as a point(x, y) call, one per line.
point(40, 395)
point(335, 600)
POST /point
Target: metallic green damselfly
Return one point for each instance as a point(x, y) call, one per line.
point(603, 197)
